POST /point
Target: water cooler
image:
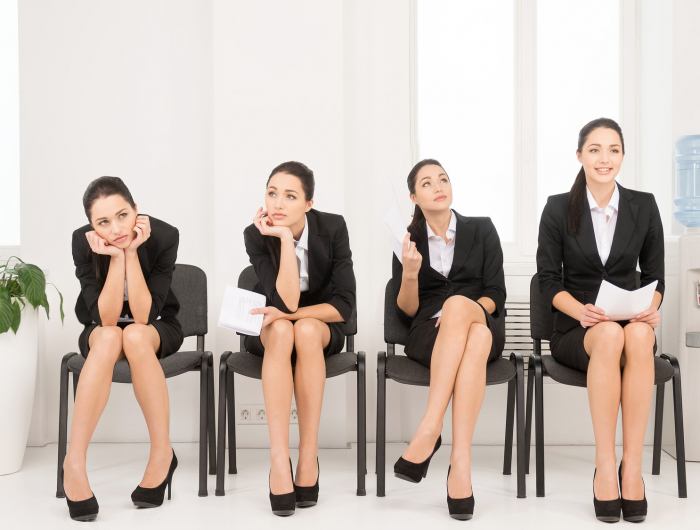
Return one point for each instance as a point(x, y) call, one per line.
point(687, 204)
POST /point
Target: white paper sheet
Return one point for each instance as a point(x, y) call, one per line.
point(620, 304)
point(235, 311)
point(394, 222)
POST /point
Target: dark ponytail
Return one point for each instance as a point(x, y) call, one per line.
point(97, 189)
point(416, 226)
point(577, 195)
point(308, 184)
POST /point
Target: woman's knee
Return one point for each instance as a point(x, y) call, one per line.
point(639, 341)
point(108, 338)
point(281, 329)
point(479, 341)
point(279, 338)
point(136, 336)
point(307, 329)
point(460, 307)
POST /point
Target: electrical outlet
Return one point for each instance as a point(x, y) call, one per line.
point(260, 415)
point(243, 414)
point(293, 418)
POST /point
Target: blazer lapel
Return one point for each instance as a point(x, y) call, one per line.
point(586, 238)
point(319, 253)
point(464, 239)
point(624, 229)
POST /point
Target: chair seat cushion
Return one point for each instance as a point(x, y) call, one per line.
point(663, 371)
point(250, 365)
point(175, 364)
point(404, 370)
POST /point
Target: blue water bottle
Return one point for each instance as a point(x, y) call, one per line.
point(688, 180)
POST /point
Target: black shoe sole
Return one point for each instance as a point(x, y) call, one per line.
point(306, 504)
point(283, 513)
point(142, 504)
point(635, 518)
point(462, 516)
point(608, 519)
point(89, 517)
point(406, 478)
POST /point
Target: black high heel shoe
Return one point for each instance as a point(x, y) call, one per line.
point(412, 472)
point(153, 497)
point(307, 495)
point(86, 510)
point(461, 509)
point(632, 511)
point(285, 503)
point(606, 511)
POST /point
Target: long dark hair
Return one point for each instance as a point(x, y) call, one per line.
point(308, 184)
point(97, 189)
point(577, 195)
point(416, 228)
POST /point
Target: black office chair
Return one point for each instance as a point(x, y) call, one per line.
point(405, 371)
point(190, 287)
point(249, 365)
point(666, 368)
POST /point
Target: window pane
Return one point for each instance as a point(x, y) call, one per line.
point(578, 80)
point(465, 102)
point(9, 124)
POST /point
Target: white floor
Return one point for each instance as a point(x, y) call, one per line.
point(27, 498)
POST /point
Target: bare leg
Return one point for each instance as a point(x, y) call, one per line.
point(141, 344)
point(470, 387)
point(603, 344)
point(637, 391)
point(90, 401)
point(278, 385)
point(311, 336)
point(458, 314)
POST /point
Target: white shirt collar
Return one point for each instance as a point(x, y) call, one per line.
point(304, 239)
point(451, 230)
point(614, 200)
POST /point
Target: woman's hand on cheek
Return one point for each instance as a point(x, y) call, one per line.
point(264, 224)
point(142, 228)
point(100, 246)
point(270, 314)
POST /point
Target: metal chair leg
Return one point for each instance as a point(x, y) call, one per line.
point(203, 414)
point(510, 420)
point(520, 423)
point(658, 428)
point(528, 412)
point(62, 423)
point(221, 441)
point(76, 380)
point(211, 419)
point(678, 416)
point(381, 422)
point(539, 425)
point(361, 425)
point(231, 398)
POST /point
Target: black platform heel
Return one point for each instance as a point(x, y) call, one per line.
point(412, 472)
point(632, 511)
point(86, 510)
point(153, 497)
point(307, 496)
point(285, 503)
point(606, 511)
point(461, 509)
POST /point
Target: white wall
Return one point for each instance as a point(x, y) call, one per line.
point(193, 103)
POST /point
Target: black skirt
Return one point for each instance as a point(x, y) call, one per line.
point(169, 329)
point(567, 348)
point(421, 340)
point(255, 346)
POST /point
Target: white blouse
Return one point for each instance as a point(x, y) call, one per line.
point(604, 222)
point(441, 253)
point(301, 249)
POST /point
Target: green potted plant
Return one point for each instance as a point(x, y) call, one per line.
point(22, 292)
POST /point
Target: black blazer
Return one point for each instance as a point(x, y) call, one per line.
point(331, 277)
point(639, 235)
point(157, 257)
point(477, 270)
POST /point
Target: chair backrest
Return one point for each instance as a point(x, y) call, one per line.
point(541, 317)
point(395, 331)
point(247, 280)
point(190, 287)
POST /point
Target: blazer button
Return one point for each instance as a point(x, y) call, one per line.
point(604, 276)
point(447, 283)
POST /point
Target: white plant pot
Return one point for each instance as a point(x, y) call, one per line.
point(18, 358)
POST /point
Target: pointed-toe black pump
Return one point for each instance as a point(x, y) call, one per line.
point(632, 511)
point(86, 510)
point(284, 504)
point(307, 496)
point(153, 497)
point(412, 472)
point(460, 509)
point(606, 511)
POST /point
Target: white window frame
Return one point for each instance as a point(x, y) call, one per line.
point(524, 248)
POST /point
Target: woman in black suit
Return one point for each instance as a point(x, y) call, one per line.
point(303, 263)
point(125, 264)
point(450, 288)
point(599, 231)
